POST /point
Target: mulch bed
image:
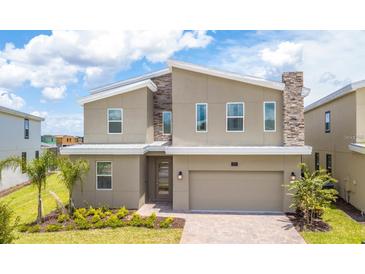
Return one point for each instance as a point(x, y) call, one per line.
point(317, 225)
point(350, 210)
point(13, 188)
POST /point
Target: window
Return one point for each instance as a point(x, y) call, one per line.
point(316, 161)
point(235, 114)
point(201, 117)
point(37, 154)
point(270, 116)
point(327, 118)
point(104, 175)
point(26, 128)
point(329, 163)
point(24, 162)
point(115, 120)
point(166, 122)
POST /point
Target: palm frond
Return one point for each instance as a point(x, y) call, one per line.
point(12, 162)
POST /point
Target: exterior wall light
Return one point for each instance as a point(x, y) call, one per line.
point(292, 176)
point(180, 175)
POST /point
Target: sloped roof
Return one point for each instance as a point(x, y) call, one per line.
point(20, 114)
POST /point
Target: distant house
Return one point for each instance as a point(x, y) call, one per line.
point(48, 139)
point(20, 136)
point(68, 140)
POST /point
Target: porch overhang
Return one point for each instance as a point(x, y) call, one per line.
point(357, 147)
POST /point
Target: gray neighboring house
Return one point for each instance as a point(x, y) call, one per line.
point(20, 135)
point(198, 138)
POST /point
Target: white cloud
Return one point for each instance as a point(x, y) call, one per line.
point(287, 53)
point(54, 93)
point(11, 100)
point(43, 114)
point(58, 59)
point(62, 123)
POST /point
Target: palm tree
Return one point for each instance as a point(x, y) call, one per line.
point(37, 171)
point(71, 173)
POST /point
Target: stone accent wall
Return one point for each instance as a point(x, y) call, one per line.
point(293, 109)
point(162, 101)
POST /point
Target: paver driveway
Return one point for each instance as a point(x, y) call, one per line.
point(203, 228)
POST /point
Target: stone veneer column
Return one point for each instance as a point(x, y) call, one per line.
point(293, 109)
point(162, 101)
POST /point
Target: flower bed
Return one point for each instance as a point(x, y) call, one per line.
point(97, 218)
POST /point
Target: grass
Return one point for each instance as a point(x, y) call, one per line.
point(24, 204)
point(123, 235)
point(344, 230)
point(24, 201)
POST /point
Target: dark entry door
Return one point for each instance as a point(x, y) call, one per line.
point(163, 179)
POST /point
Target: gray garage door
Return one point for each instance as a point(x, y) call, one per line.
point(226, 190)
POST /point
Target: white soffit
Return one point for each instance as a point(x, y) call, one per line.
point(240, 150)
point(119, 90)
point(335, 95)
point(360, 148)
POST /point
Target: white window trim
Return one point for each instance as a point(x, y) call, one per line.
point(163, 127)
point(243, 117)
point(121, 121)
point(264, 112)
point(196, 118)
point(111, 175)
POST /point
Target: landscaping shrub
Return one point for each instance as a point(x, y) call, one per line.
point(6, 226)
point(80, 211)
point(62, 218)
point(100, 212)
point(136, 220)
point(70, 227)
point(108, 213)
point(122, 212)
point(150, 221)
point(23, 228)
point(310, 197)
point(53, 227)
point(96, 218)
point(114, 222)
point(82, 223)
point(91, 211)
point(167, 222)
point(34, 229)
point(99, 224)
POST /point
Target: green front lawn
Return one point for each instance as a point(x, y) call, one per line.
point(344, 230)
point(24, 201)
point(123, 235)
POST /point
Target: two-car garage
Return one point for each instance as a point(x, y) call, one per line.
point(236, 190)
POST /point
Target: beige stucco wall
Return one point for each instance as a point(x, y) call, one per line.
point(347, 126)
point(189, 88)
point(128, 183)
point(187, 164)
point(137, 118)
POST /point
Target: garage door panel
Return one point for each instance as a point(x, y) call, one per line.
point(225, 190)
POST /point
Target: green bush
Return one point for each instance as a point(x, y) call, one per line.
point(100, 212)
point(62, 218)
point(100, 224)
point(82, 223)
point(136, 220)
point(23, 228)
point(108, 213)
point(96, 218)
point(90, 212)
point(70, 227)
point(53, 227)
point(80, 211)
point(167, 223)
point(122, 212)
point(150, 221)
point(113, 222)
point(7, 227)
point(34, 229)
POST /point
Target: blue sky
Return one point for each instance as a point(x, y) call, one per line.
point(46, 72)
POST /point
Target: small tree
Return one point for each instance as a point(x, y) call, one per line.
point(37, 171)
point(71, 173)
point(310, 197)
point(6, 226)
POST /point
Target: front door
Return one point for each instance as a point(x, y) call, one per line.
point(163, 179)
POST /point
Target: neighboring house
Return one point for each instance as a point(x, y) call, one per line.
point(20, 135)
point(335, 128)
point(50, 147)
point(200, 138)
point(68, 140)
point(48, 139)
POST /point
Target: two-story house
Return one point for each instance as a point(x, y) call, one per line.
point(199, 138)
point(335, 128)
point(20, 135)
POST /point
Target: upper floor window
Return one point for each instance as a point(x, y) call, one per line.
point(24, 162)
point(26, 128)
point(327, 117)
point(235, 114)
point(103, 175)
point(201, 117)
point(166, 122)
point(316, 161)
point(270, 116)
point(115, 120)
point(329, 163)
